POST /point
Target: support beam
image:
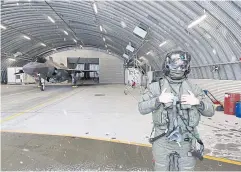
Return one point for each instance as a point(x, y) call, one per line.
point(216, 64)
point(73, 32)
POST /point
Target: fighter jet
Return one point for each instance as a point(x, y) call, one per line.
point(43, 69)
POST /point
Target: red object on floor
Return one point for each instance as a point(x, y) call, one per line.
point(216, 102)
point(230, 100)
point(133, 84)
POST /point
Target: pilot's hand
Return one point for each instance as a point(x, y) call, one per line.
point(166, 97)
point(190, 99)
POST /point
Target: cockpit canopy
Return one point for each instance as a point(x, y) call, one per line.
point(41, 60)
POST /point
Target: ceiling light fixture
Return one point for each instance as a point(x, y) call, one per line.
point(26, 37)
point(130, 48)
point(17, 54)
point(95, 8)
point(208, 36)
point(104, 30)
point(162, 43)
point(11, 59)
point(196, 41)
point(75, 40)
point(140, 32)
point(103, 38)
point(214, 51)
point(43, 44)
point(123, 24)
point(66, 33)
point(52, 20)
point(149, 52)
point(194, 23)
point(106, 46)
point(3, 27)
point(101, 28)
point(126, 56)
point(142, 58)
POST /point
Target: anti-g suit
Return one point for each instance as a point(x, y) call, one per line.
point(175, 123)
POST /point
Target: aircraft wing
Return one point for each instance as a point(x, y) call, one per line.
point(81, 71)
point(19, 72)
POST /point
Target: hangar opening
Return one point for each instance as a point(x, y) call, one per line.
point(120, 85)
point(85, 64)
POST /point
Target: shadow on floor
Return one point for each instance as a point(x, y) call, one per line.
point(47, 152)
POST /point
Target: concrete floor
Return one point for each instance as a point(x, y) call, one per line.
point(32, 152)
point(99, 111)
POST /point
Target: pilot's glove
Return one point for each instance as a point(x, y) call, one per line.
point(190, 99)
point(166, 97)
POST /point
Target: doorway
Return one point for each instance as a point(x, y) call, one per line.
point(87, 65)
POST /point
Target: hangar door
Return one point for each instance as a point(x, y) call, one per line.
point(111, 70)
point(90, 67)
point(85, 64)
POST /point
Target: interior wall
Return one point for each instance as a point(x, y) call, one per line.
point(111, 68)
point(218, 87)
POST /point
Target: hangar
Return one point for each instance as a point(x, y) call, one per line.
point(109, 45)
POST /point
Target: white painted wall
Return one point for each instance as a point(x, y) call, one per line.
point(111, 70)
point(111, 67)
point(218, 87)
point(12, 78)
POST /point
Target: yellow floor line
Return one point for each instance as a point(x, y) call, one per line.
point(35, 107)
point(123, 142)
point(222, 160)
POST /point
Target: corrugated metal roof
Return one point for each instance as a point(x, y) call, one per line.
point(214, 41)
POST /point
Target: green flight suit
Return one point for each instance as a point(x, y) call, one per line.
point(168, 155)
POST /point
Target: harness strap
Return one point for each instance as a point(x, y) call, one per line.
point(152, 140)
point(196, 153)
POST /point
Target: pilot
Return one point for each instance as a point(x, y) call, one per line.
point(176, 106)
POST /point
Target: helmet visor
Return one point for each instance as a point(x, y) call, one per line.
point(177, 62)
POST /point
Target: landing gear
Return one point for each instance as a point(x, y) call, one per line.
point(42, 87)
point(42, 84)
point(74, 80)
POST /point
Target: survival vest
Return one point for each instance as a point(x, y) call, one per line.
point(161, 117)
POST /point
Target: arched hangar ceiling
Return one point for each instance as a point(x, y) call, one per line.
point(209, 30)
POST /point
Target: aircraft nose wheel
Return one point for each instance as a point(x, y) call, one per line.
point(74, 80)
point(42, 87)
point(42, 84)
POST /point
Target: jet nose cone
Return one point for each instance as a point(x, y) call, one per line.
point(25, 66)
point(28, 68)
